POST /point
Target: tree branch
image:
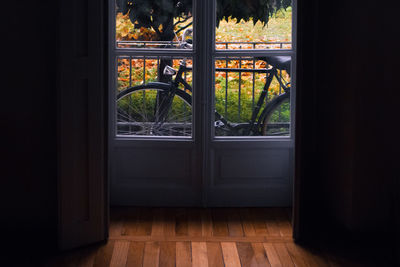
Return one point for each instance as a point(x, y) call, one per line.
point(156, 29)
point(182, 20)
point(181, 29)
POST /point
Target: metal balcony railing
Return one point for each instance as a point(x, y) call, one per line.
point(227, 69)
point(219, 45)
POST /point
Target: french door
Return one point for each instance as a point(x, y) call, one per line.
point(206, 146)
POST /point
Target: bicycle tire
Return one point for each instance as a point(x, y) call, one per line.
point(137, 111)
point(272, 126)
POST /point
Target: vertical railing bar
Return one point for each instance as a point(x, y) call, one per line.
point(280, 91)
point(184, 75)
point(226, 88)
point(158, 67)
point(226, 83)
point(144, 81)
point(144, 70)
point(240, 86)
point(184, 106)
point(130, 97)
point(266, 95)
point(254, 82)
point(130, 71)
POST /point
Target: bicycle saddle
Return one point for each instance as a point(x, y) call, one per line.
point(279, 62)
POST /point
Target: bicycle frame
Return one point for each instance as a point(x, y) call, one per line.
point(164, 101)
point(178, 78)
point(254, 125)
point(251, 128)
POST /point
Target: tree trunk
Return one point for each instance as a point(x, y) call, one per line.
point(167, 35)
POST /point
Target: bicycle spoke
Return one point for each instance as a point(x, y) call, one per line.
point(155, 114)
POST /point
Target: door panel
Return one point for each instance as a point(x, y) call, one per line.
point(81, 130)
point(240, 166)
point(252, 176)
point(142, 165)
point(169, 176)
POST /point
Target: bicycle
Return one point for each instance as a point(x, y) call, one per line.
point(164, 109)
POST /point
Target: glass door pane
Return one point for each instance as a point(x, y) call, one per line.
point(252, 89)
point(144, 24)
point(252, 96)
point(153, 95)
point(145, 107)
point(253, 24)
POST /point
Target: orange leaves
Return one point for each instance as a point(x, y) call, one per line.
point(146, 34)
point(261, 64)
point(244, 64)
point(220, 74)
point(135, 70)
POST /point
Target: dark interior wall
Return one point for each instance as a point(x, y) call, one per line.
point(337, 87)
point(336, 116)
point(355, 162)
point(28, 196)
point(357, 144)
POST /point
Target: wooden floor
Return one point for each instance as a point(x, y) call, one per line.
point(200, 237)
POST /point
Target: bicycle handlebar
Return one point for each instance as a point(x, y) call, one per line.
point(183, 44)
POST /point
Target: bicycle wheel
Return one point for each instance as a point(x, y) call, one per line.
point(142, 110)
point(277, 117)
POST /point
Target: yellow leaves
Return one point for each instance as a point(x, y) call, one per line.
point(125, 30)
point(247, 76)
point(124, 27)
point(277, 29)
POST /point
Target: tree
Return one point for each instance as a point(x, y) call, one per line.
point(159, 14)
point(258, 10)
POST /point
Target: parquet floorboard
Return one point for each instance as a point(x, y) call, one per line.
point(183, 237)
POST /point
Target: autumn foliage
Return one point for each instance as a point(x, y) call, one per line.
point(234, 91)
